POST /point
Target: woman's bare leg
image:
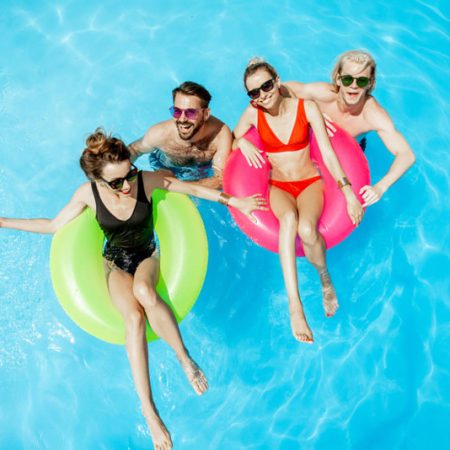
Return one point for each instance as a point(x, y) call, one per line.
point(121, 291)
point(163, 321)
point(310, 206)
point(285, 209)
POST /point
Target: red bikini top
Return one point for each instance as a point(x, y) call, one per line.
point(299, 137)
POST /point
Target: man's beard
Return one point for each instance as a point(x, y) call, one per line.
point(191, 131)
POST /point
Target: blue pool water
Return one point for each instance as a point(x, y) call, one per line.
point(378, 375)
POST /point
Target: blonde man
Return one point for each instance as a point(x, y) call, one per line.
point(348, 103)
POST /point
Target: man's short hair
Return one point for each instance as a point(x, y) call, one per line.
point(191, 88)
point(358, 57)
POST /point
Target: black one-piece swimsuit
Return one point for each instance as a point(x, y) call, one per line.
point(128, 242)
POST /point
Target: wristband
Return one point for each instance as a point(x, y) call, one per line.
point(343, 182)
point(224, 199)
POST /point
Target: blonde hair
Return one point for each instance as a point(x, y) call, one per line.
point(358, 57)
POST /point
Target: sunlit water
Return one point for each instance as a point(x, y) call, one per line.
point(378, 375)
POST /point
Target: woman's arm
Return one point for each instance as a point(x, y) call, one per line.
point(73, 209)
point(245, 204)
point(331, 161)
point(251, 153)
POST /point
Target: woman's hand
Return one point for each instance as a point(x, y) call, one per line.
point(252, 154)
point(371, 194)
point(354, 208)
point(249, 204)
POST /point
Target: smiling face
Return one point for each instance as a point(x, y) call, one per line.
point(260, 78)
point(187, 128)
point(353, 94)
point(118, 171)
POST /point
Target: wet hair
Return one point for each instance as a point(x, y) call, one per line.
point(192, 88)
point(100, 150)
point(255, 64)
point(359, 57)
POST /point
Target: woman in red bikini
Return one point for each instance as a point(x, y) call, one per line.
point(296, 196)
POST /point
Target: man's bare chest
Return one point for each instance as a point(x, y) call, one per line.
point(188, 153)
point(353, 124)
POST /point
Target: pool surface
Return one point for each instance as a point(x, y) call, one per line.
point(378, 376)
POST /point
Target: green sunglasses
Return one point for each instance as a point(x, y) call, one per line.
point(361, 82)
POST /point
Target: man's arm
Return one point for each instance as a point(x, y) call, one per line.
point(147, 143)
point(394, 141)
point(319, 92)
point(223, 142)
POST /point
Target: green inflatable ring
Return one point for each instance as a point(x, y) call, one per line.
point(77, 269)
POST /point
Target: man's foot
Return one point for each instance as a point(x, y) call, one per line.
point(329, 299)
point(160, 435)
point(300, 328)
point(195, 375)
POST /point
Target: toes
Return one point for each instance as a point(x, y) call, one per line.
point(196, 377)
point(330, 310)
point(202, 387)
point(304, 338)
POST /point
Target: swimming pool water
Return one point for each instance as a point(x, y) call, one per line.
point(378, 375)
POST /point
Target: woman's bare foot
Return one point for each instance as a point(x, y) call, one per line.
point(329, 299)
point(300, 328)
point(194, 374)
point(160, 435)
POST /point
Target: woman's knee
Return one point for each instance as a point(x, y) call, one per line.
point(145, 294)
point(135, 320)
point(307, 230)
point(288, 220)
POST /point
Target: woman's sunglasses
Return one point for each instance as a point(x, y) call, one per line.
point(266, 87)
point(117, 183)
point(361, 82)
point(189, 113)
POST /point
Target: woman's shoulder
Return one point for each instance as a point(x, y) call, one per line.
point(251, 112)
point(84, 193)
point(84, 190)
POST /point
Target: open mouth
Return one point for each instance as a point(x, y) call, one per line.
point(353, 95)
point(184, 127)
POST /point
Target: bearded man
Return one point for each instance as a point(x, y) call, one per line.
point(194, 145)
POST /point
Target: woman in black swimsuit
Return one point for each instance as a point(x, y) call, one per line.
point(120, 195)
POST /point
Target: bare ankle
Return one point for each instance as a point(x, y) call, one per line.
point(150, 412)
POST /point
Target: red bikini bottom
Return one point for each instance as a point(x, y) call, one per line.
point(295, 188)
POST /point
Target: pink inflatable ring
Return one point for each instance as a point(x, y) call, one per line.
point(335, 225)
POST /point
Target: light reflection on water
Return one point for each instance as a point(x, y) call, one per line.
point(378, 374)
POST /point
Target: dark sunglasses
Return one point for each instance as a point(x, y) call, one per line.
point(361, 82)
point(266, 87)
point(117, 183)
point(190, 113)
